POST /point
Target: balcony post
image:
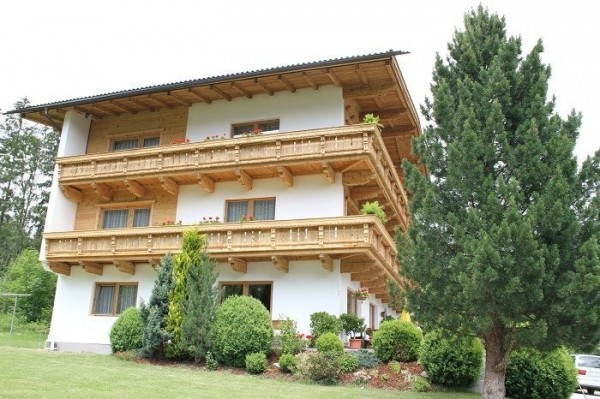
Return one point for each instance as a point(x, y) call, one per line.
point(160, 161)
point(113, 244)
point(321, 236)
point(79, 245)
point(149, 243)
point(273, 238)
point(366, 233)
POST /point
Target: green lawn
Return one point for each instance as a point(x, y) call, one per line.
point(26, 339)
point(30, 373)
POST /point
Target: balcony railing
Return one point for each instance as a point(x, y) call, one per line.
point(303, 152)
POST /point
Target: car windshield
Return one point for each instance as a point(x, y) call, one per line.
point(589, 361)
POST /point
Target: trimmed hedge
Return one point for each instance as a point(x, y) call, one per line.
point(127, 331)
point(397, 340)
point(330, 342)
point(288, 363)
point(451, 361)
point(242, 326)
point(533, 374)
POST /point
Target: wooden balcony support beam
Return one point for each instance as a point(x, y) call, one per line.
point(141, 104)
point(159, 100)
point(369, 275)
point(60, 268)
point(199, 96)
point(169, 185)
point(333, 78)
point(72, 193)
point(367, 91)
point(263, 86)
point(355, 267)
point(220, 92)
point(326, 262)
point(154, 263)
point(125, 266)
point(244, 179)
point(366, 194)
point(310, 82)
point(378, 283)
point(238, 265)
point(178, 99)
point(285, 175)
point(357, 178)
point(378, 290)
point(114, 103)
point(92, 267)
point(237, 87)
point(135, 188)
point(328, 172)
point(281, 263)
point(103, 108)
point(103, 191)
point(206, 183)
point(286, 83)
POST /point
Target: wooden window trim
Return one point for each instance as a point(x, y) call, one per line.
point(350, 297)
point(140, 135)
point(250, 202)
point(130, 206)
point(255, 125)
point(117, 286)
point(246, 288)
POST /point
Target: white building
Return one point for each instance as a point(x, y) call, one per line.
point(282, 146)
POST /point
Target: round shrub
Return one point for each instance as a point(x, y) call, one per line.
point(420, 384)
point(288, 363)
point(324, 367)
point(536, 375)
point(397, 340)
point(256, 363)
point(330, 342)
point(127, 331)
point(242, 326)
point(451, 361)
point(348, 363)
point(323, 322)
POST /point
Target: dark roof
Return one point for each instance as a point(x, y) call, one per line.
point(205, 81)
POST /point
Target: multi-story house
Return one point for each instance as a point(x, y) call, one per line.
point(272, 165)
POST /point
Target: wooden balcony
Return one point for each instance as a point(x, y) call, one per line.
point(357, 152)
point(364, 247)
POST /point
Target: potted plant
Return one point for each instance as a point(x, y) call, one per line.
point(371, 118)
point(361, 294)
point(373, 208)
point(354, 327)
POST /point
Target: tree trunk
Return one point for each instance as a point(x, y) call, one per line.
point(496, 358)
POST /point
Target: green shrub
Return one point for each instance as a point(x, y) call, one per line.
point(211, 362)
point(373, 208)
point(366, 359)
point(352, 324)
point(323, 322)
point(324, 367)
point(256, 363)
point(290, 340)
point(397, 340)
point(536, 375)
point(330, 342)
point(242, 326)
point(420, 384)
point(348, 363)
point(395, 367)
point(451, 360)
point(288, 363)
point(127, 331)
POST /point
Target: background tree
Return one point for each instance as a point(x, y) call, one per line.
point(154, 314)
point(504, 240)
point(201, 302)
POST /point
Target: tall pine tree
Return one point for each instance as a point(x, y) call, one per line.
point(504, 242)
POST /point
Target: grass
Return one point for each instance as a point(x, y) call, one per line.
point(26, 339)
point(30, 373)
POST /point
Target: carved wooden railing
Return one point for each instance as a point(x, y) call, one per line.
point(360, 235)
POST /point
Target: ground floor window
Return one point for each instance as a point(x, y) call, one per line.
point(113, 298)
point(352, 303)
point(257, 289)
point(372, 315)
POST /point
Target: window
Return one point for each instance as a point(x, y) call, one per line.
point(372, 313)
point(253, 209)
point(259, 290)
point(113, 298)
point(125, 217)
point(255, 127)
point(352, 303)
point(132, 141)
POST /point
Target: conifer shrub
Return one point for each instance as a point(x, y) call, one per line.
point(288, 363)
point(256, 363)
point(451, 360)
point(323, 322)
point(126, 333)
point(330, 342)
point(211, 362)
point(397, 340)
point(538, 375)
point(366, 359)
point(324, 367)
point(242, 326)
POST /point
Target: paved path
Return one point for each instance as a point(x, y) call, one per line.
point(580, 396)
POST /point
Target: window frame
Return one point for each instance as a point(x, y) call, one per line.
point(130, 207)
point(140, 136)
point(372, 315)
point(250, 208)
point(351, 303)
point(246, 288)
point(255, 125)
point(115, 299)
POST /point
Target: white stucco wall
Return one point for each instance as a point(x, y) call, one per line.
point(72, 319)
point(304, 109)
point(310, 197)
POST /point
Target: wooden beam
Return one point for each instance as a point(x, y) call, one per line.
point(378, 290)
point(199, 96)
point(355, 267)
point(357, 178)
point(141, 104)
point(244, 179)
point(87, 112)
point(385, 113)
point(281, 263)
point(178, 99)
point(114, 103)
point(326, 262)
point(159, 100)
point(220, 92)
point(103, 191)
point(263, 86)
point(310, 82)
point(361, 74)
point(353, 206)
point(155, 263)
point(286, 83)
point(285, 175)
point(332, 77)
point(124, 266)
point(238, 265)
point(60, 268)
point(368, 193)
point(135, 188)
point(368, 275)
point(328, 172)
point(366, 91)
point(72, 193)
point(103, 108)
point(380, 282)
point(245, 92)
point(92, 267)
point(206, 183)
point(169, 185)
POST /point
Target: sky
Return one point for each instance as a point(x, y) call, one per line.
point(63, 49)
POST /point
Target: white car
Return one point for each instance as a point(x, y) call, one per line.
point(588, 372)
